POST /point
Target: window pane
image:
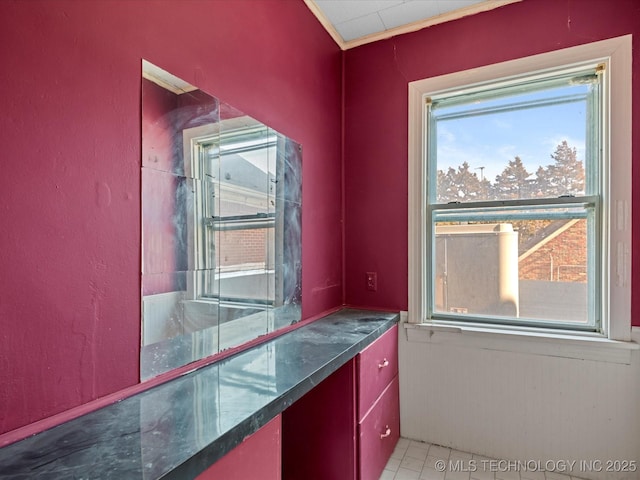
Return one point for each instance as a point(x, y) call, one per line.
point(528, 141)
point(245, 270)
point(528, 269)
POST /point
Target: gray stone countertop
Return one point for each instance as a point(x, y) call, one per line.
point(179, 428)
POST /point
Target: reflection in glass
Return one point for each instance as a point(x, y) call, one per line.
point(221, 225)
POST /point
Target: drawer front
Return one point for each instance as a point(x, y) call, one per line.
point(379, 433)
point(377, 365)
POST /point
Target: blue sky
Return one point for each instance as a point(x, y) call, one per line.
point(492, 140)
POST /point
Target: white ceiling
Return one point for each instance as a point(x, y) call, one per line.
point(355, 22)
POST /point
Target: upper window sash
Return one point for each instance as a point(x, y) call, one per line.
point(522, 93)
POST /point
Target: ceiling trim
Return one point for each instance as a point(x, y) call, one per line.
point(328, 26)
point(411, 27)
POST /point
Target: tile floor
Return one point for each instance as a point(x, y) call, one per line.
point(413, 460)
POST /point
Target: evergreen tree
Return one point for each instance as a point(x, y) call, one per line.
point(542, 183)
point(485, 191)
point(513, 182)
point(461, 185)
point(467, 184)
point(446, 192)
point(565, 176)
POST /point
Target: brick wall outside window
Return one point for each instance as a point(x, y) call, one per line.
point(563, 258)
point(242, 247)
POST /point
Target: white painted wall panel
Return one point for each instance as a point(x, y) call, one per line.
point(521, 406)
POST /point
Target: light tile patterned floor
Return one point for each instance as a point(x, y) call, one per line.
point(413, 460)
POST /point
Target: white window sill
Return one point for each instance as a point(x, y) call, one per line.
point(577, 346)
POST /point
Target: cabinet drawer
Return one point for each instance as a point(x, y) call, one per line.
point(379, 433)
point(377, 365)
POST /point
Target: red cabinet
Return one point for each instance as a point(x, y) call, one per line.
point(378, 404)
point(346, 427)
point(258, 457)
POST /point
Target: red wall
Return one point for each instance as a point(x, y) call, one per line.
point(70, 185)
point(376, 119)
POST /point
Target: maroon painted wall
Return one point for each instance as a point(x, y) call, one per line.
point(70, 184)
point(376, 119)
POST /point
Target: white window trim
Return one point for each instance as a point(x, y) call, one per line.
point(617, 201)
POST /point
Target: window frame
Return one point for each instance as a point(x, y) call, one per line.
point(206, 220)
point(588, 200)
point(616, 197)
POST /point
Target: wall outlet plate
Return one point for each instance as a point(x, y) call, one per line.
point(372, 281)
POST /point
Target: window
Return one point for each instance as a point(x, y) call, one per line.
point(520, 193)
point(234, 224)
point(506, 244)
